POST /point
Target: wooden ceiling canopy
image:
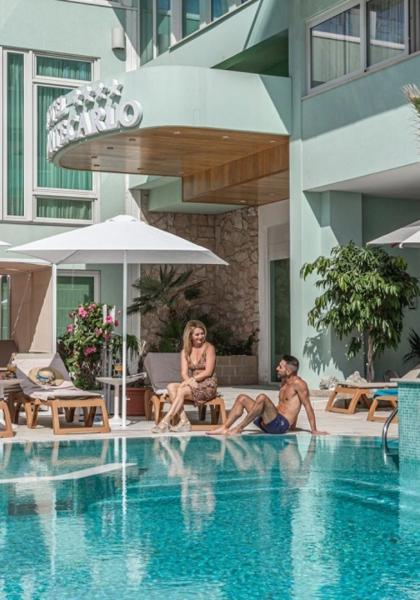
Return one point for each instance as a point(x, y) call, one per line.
point(217, 166)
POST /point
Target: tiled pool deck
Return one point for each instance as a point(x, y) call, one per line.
point(333, 423)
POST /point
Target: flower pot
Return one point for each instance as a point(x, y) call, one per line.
point(135, 402)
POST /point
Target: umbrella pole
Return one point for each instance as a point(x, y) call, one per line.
point(124, 345)
point(54, 307)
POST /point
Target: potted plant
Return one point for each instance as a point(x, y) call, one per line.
point(84, 342)
point(135, 391)
point(364, 294)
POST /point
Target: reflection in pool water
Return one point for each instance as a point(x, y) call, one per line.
point(237, 518)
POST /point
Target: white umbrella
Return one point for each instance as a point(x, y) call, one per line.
point(122, 239)
point(402, 237)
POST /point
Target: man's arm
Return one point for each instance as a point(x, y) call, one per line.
point(303, 393)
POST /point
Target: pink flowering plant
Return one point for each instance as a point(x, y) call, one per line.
point(81, 347)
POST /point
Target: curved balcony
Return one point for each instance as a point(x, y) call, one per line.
point(224, 133)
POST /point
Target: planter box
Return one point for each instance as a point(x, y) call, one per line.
point(237, 370)
point(135, 404)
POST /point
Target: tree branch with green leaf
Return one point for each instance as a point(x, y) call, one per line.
point(364, 294)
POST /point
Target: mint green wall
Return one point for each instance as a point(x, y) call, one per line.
point(63, 27)
point(324, 220)
point(357, 128)
point(363, 126)
point(380, 216)
point(168, 198)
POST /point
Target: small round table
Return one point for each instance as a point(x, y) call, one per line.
point(116, 382)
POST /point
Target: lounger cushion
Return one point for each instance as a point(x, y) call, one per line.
point(25, 363)
point(162, 368)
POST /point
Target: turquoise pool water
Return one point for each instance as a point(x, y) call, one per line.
point(200, 518)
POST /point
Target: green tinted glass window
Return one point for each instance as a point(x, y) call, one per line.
point(47, 66)
point(336, 47)
point(280, 311)
point(48, 175)
point(219, 8)
point(385, 29)
point(72, 291)
point(146, 30)
point(163, 24)
point(5, 307)
point(190, 16)
point(15, 134)
point(64, 208)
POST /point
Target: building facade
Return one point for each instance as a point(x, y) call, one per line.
point(266, 130)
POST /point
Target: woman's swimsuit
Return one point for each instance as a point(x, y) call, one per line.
point(205, 390)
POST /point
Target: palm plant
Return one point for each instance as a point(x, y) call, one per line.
point(168, 290)
point(414, 341)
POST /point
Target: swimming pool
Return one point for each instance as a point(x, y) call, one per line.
point(241, 518)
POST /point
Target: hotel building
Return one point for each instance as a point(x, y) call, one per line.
point(267, 130)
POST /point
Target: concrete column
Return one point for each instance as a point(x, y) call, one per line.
point(318, 222)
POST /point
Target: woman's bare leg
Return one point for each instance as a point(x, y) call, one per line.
point(172, 392)
point(183, 393)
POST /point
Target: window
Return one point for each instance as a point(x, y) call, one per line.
point(48, 66)
point(15, 126)
point(34, 188)
point(386, 30)
point(335, 47)
point(146, 30)
point(219, 8)
point(4, 307)
point(163, 25)
point(280, 311)
point(190, 16)
point(72, 290)
point(367, 33)
point(60, 209)
point(48, 175)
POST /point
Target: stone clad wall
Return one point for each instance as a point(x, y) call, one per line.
point(230, 293)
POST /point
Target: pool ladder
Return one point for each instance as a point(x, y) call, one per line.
point(386, 428)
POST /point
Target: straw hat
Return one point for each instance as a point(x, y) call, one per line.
point(47, 376)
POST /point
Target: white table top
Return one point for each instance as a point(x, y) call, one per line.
point(408, 381)
point(117, 381)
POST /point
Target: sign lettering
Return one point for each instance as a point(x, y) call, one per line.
point(88, 111)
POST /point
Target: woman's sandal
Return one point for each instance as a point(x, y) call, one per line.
point(162, 427)
point(182, 427)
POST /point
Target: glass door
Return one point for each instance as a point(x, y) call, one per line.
point(280, 311)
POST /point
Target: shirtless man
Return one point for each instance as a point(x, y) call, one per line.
point(273, 419)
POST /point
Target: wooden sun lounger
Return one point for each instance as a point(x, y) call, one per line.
point(358, 394)
point(162, 368)
point(89, 406)
point(8, 430)
point(392, 400)
point(64, 400)
point(217, 410)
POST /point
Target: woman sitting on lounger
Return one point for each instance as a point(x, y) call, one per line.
point(199, 383)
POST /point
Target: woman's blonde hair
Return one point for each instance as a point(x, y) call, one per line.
point(186, 338)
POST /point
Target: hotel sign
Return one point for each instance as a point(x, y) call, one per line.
point(87, 111)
